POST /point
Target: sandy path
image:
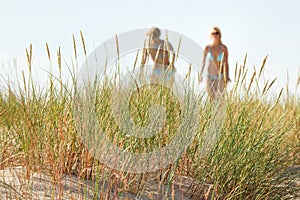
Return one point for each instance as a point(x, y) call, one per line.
point(14, 185)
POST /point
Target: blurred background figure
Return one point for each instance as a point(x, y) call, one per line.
point(159, 51)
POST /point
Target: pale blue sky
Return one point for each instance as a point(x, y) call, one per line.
point(257, 27)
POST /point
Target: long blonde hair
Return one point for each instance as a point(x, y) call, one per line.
point(154, 34)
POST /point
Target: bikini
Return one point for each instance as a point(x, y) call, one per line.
point(219, 58)
point(168, 73)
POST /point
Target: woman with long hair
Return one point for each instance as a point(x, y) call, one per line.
point(159, 51)
point(218, 68)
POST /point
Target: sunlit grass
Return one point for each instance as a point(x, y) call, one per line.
point(259, 139)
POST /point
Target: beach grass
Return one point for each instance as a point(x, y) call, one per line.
point(258, 145)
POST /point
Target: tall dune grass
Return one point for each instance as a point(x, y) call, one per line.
point(259, 141)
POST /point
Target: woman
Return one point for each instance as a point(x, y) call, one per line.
point(218, 69)
point(159, 51)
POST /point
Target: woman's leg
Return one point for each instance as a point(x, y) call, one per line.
point(220, 88)
point(156, 75)
point(170, 77)
point(211, 88)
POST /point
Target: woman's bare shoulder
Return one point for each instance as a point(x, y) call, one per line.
point(207, 47)
point(224, 46)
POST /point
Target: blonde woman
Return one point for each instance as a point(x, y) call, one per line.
point(159, 51)
point(218, 69)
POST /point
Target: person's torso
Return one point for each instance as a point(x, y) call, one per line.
point(159, 52)
point(216, 59)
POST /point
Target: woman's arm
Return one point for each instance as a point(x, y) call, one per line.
point(226, 69)
point(144, 56)
point(203, 61)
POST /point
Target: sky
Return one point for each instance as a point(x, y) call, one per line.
point(256, 28)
